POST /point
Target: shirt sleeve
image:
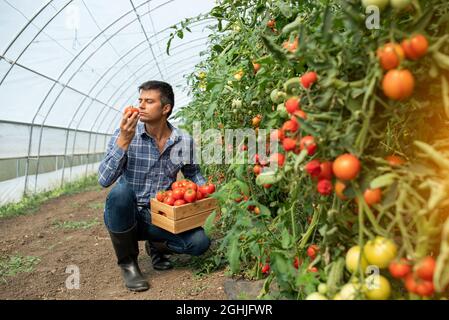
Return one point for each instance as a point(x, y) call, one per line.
point(191, 170)
point(113, 164)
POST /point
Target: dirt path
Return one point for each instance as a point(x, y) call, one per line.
point(69, 231)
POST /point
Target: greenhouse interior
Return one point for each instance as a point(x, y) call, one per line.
point(224, 150)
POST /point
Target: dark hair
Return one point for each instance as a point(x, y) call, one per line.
point(166, 91)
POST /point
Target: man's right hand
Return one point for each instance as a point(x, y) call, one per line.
point(127, 129)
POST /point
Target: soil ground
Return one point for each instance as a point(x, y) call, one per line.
point(69, 230)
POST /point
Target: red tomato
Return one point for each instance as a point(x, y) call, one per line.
point(292, 105)
point(191, 185)
point(313, 168)
point(267, 186)
point(394, 160)
point(390, 55)
point(308, 143)
point(279, 158)
point(175, 185)
point(426, 268)
point(300, 114)
point(308, 79)
point(179, 193)
point(326, 171)
point(169, 193)
point(346, 167)
point(416, 47)
point(199, 195)
point(312, 251)
point(210, 188)
point(266, 268)
point(324, 187)
point(190, 195)
point(399, 269)
point(297, 262)
point(169, 200)
point(131, 111)
point(425, 288)
point(290, 126)
point(289, 144)
point(160, 196)
point(179, 202)
point(271, 23)
point(277, 135)
point(410, 283)
point(203, 190)
point(313, 269)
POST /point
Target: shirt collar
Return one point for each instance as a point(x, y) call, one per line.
point(174, 136)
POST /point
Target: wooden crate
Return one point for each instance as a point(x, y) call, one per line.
point(182, 218)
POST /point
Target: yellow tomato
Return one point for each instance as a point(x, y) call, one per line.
point(377, 287)
point(380, 251)
point(352, 260)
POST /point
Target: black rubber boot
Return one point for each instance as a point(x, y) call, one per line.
point(127, 249)
point(157, 251)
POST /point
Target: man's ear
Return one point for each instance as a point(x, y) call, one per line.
point(166, 109)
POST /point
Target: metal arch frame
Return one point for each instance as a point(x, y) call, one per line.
point(146, 36)
point(35, 36)
point(68, 81)
point(106, 83)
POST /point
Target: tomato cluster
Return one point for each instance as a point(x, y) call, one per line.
point(398, 84)
point(185, 191)
point(417, 279)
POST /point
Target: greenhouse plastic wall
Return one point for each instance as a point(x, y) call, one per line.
point(68, 69)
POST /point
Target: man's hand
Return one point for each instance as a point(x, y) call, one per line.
point(127, 129)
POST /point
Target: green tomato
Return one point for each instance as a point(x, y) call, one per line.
point(349, 291)
point(381, 4)
point(322, 288)
point(400, 4)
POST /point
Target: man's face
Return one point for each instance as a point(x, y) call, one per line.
point(150, 107)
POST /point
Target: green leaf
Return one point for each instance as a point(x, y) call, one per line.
point(286, 239)
point(234, 255)
point(285, 9)
point(382, 181)
point(209, 223)
point(243, 187)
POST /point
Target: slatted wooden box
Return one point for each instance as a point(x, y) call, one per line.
point(182, 218)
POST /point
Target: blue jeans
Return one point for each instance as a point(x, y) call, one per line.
point(122, 212)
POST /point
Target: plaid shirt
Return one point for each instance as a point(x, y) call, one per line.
point(144, 168)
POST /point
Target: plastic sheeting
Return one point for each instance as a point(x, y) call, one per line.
point(69, 67)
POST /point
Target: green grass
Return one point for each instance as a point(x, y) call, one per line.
point(76, 225)
point(31, 204)
point(12, 265)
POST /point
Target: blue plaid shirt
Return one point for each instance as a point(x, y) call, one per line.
point(144, 168)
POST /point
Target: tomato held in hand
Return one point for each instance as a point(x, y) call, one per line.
point(131, 111)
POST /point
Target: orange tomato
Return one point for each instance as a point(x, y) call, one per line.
point(398, 84)
point(339, 189)
point(390, 55)
point(346, 167)
point(256, 120)
point(372, 196)
point(395, 161)
point(291, 46)
point(256, 67)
